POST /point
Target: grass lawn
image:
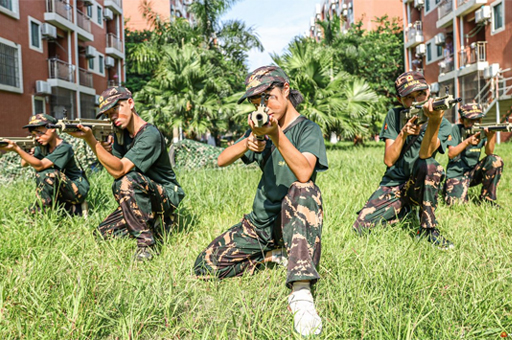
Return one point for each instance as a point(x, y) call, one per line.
point(58, 281)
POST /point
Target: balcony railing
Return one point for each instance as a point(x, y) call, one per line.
point(445, 8)
point(114, 83)
point(114, 42)
point(62, 8)
point(414, 31)
point(461, 2)
point(476, 52)
point(83, 21)
point(446, 65)
point(59, 69)
point(85, 77)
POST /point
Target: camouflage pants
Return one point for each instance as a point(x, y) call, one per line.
point(143, 204)
point(52, 184)
point(391, 204)
point(486, 172)
point(242, 248)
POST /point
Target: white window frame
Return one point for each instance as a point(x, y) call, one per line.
point(432, 4)
point(34, 98)
point(31, 45)
point(15, 13)
point(20, 68)
point(95, 14)
point(433, 50)
point(96, 68)
point(503, 15)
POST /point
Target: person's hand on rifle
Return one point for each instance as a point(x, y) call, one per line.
point(430, 113)
point(410, 128)
point(84, 133)
point(107, 145)
point(473, 139)
point(270, 129)
point(253, 143)
point(489, 133)
point(10, 147)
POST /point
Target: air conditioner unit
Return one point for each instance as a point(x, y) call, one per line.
point(421, 50)
point(483, 14)
point(344, 6)
point(439, 39)
point(419, 3)
point(109, 62)
point(90, 52)
point(48, 31)
point(434, 87)
point(108, 14)
point(491, 71)
point(43, 87)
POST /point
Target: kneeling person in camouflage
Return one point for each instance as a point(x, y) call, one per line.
point(58, 178)
point(413, 176)
point(287, 210)
point(465, 169)
point(145, 186)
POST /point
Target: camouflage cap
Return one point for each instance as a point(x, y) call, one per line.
point(409, 82)
point(111, 96)
point(471, 111)
point(40, 119)
point(261, 79)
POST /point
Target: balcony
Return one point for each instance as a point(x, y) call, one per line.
point(114, 82)
point(465, 7)
point(115, 46)
point(114, 5)
point(446, 65)
point(414, 35)
point(59, 69)
point(60, 14)
point(84, 26)
point(473, 58)
point(443, 13)
point(85, 77)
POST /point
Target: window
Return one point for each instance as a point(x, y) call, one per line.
point(10, 66)
point(91, 63)
point(429, 52)
point(439, 51)
point(88, 11)
point(498, 18)
point(427, 6)
point(34, 30)
point(10, 7)
point(39, 105)
point(99, 15)
point(101, 64)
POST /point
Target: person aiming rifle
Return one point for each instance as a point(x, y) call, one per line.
point(145, 186)
point(465, 169)
point(413, 176)
point(287, 213)
point(58, 178)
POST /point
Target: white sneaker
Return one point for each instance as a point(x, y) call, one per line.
point(279, 257)
point(305, 318)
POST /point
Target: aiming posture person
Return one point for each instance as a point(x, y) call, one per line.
point(465, 169)
point(413, 176)
point(58, 178)
point(287, 210)
point(145, 186)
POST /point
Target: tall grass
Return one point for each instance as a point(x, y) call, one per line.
point(59, 281)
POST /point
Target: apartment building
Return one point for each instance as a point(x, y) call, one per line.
point(353, 11)
point(464, 46)
point(166, 9)
point(56, 56)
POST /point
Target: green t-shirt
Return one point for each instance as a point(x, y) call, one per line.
point(277, 177)
point(63, 159)
point(400, 172)
point(468, 158)
point(147, 152)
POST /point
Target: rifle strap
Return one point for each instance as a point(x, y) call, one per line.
point(292, 124)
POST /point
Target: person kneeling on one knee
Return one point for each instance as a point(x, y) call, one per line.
point(465, 169)
point(287, 213)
